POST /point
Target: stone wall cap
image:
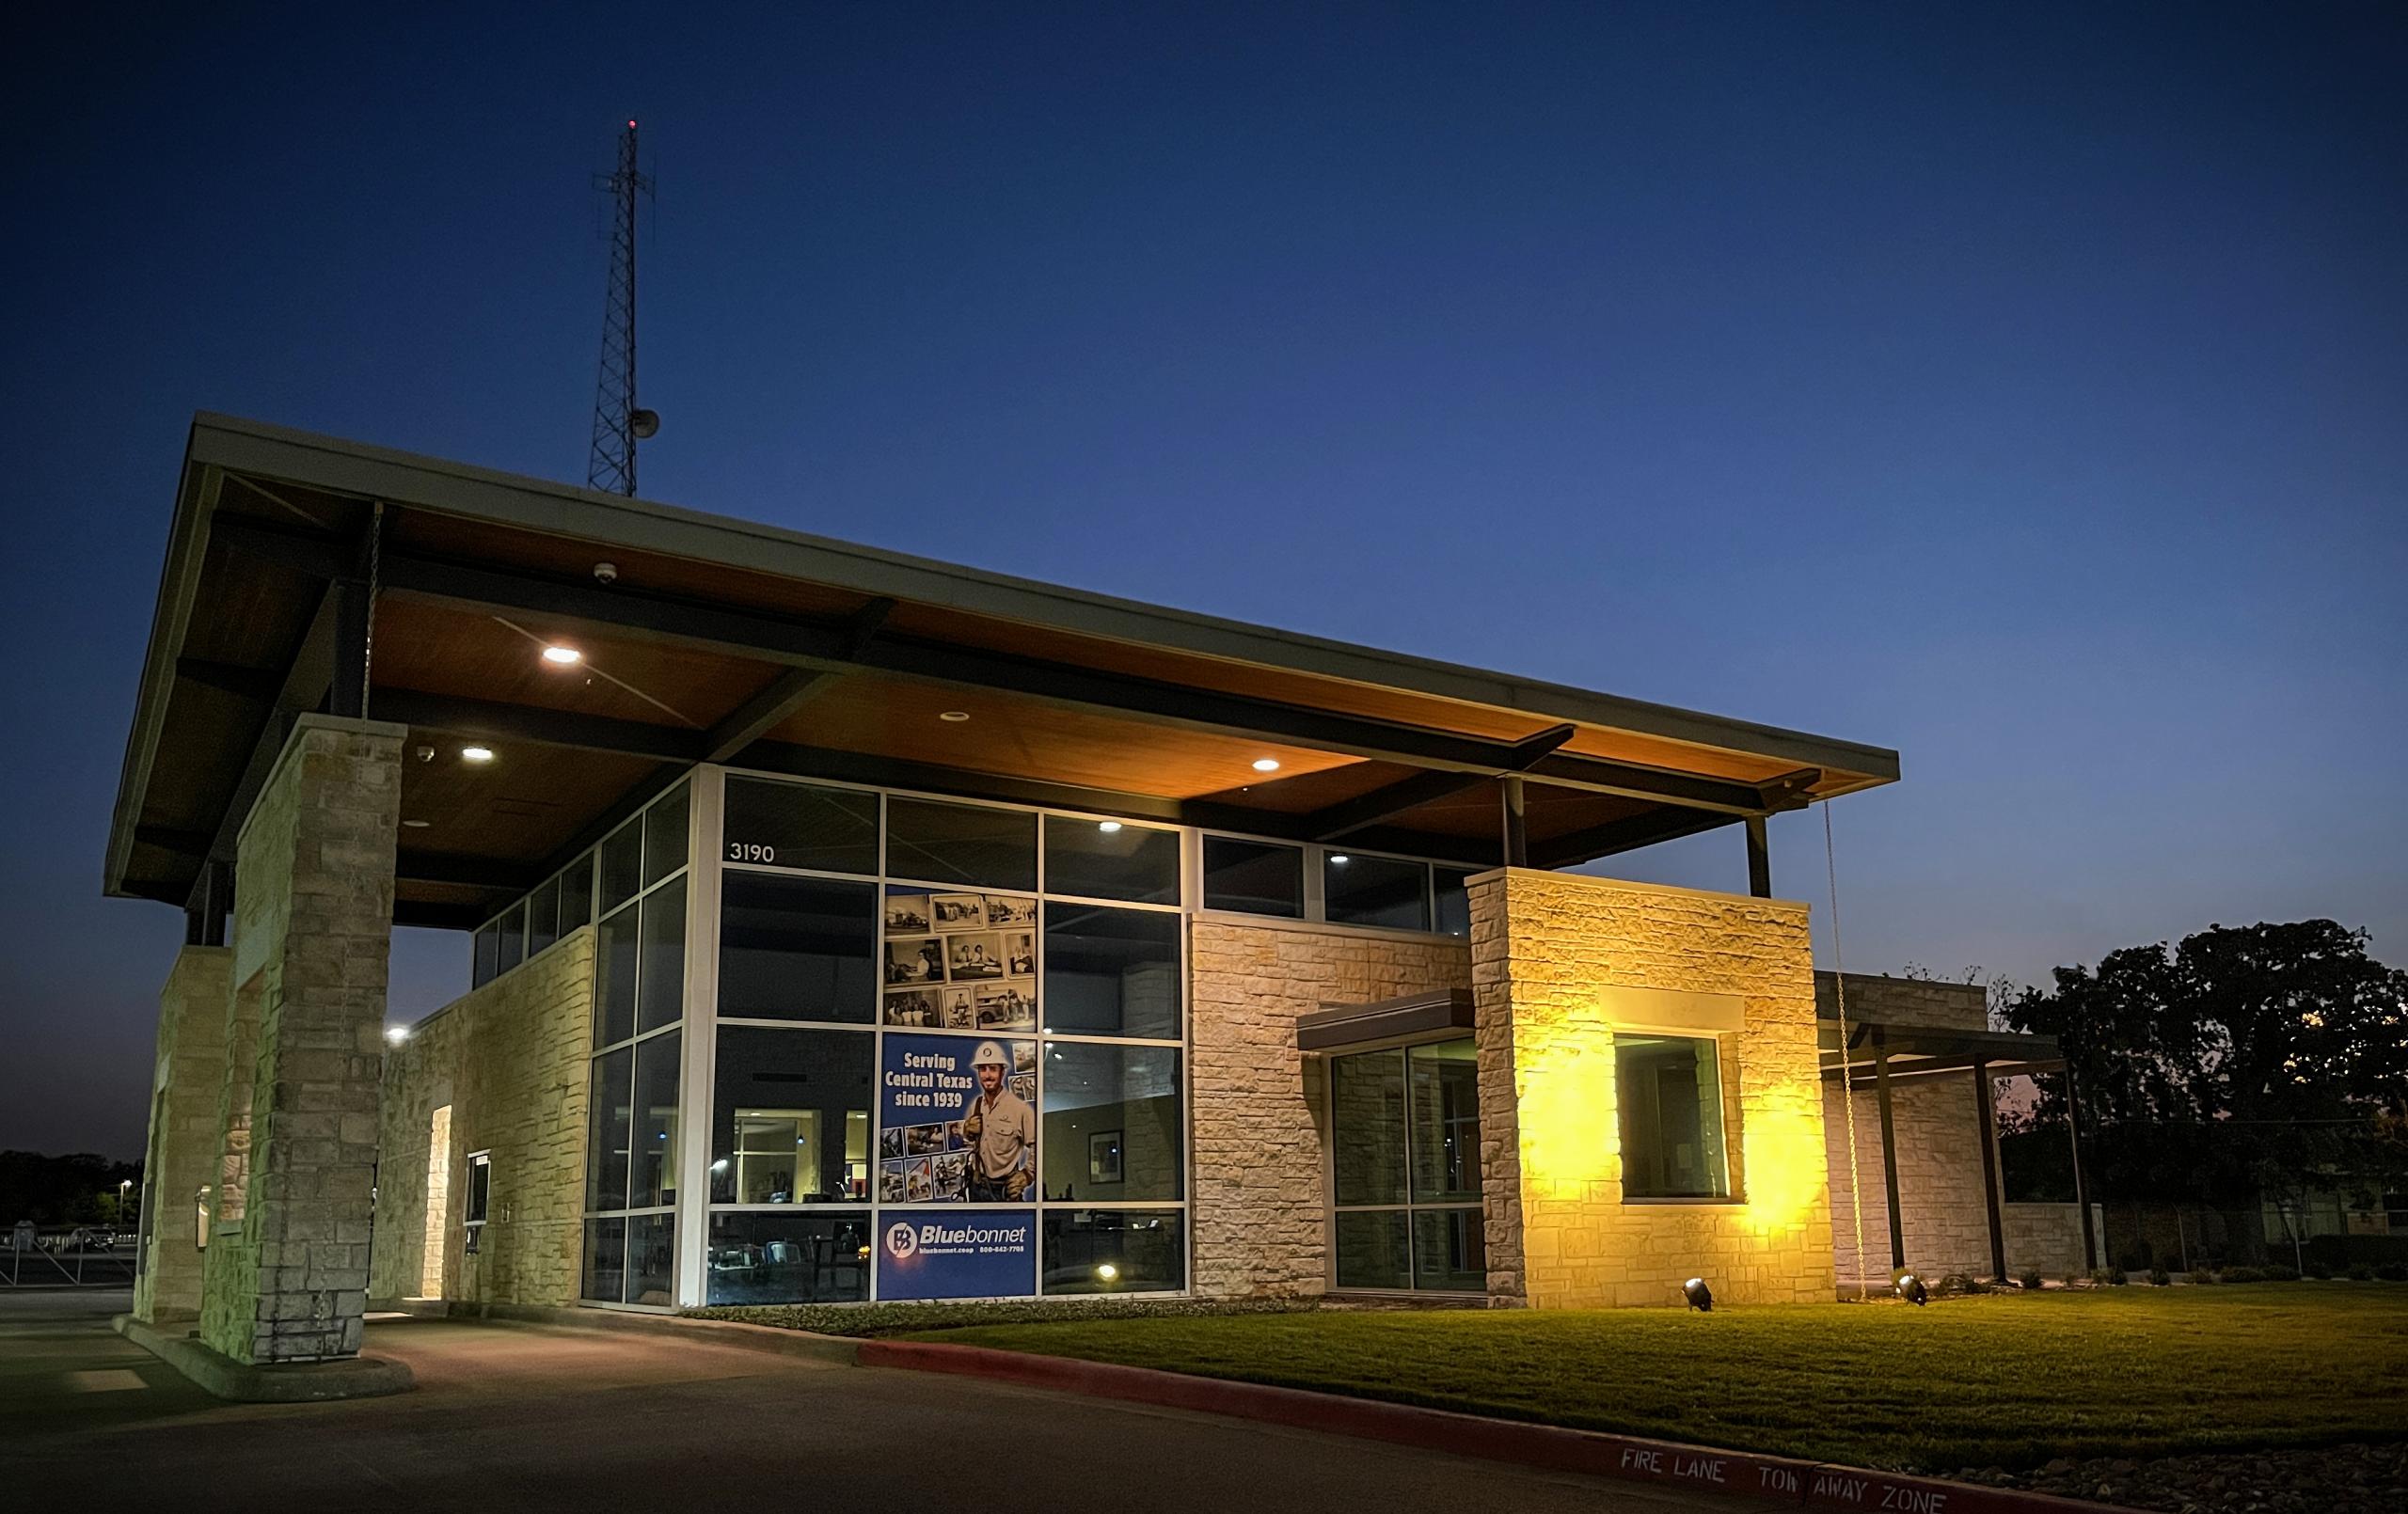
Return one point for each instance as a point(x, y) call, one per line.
point(1590, 880)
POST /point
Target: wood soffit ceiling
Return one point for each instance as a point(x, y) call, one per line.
point(246, 625)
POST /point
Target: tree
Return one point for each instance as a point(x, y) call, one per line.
point(2243, 1063)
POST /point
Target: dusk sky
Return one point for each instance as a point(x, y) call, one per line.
point(2023, 388)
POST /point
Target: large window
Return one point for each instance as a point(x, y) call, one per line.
point(634, 1114)
point(1669, 1089)
point(1404, 1169)
point(791, 1116)
point(950, 1055)
point(797, 948)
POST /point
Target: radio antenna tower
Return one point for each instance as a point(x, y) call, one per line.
point(618, 423)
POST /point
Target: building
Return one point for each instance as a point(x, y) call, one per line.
point(848, 925)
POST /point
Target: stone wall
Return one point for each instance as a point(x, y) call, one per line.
point(1260, 1201)
point(1545, 948)
point(2048, 1237)
point(313, 911)
point(1945, 1225)
point(1871, 997)
point(184, 1148)
point(509, 1063)
point(1942, 1218)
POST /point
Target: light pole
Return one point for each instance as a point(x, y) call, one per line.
point(124, 1187)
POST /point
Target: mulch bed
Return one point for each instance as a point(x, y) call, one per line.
point(2332, 1479)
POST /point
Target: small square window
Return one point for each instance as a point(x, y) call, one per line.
point(479, 1185)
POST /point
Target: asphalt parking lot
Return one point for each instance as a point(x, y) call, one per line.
point(519, 1417)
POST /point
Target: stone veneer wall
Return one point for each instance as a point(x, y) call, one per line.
point(313, 913)
point(184, 1147)
point(1941, 1214)
point(1260, 1207)
point(2049, 1237)
point(509, 1060)
point(1559, 1233)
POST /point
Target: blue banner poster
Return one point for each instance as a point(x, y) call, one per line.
point(958, 1254)
point(957, 1120)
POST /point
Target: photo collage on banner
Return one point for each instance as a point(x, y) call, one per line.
point(963, 962)
point(957, 1109)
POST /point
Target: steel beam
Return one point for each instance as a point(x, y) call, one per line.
point(1986, 1109)
point(463, 871)
point(1627, 834)
point(1759, 858)
point(1516, 844)
point(1386, 803)
point(308, 674)
point(1889, 1151)
point(549, 728)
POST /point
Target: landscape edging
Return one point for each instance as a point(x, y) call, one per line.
point(1555, 1448)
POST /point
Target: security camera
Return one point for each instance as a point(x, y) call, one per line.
point(426, 754)
point(606, 572)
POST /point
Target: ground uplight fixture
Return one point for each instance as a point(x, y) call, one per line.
point(476, 754)
point(1701, 1298)
point(1911, 1289)
point(1266, 765)
point(1107, 1272)
point(563, 656)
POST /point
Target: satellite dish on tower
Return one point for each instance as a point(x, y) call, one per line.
point(644, 424)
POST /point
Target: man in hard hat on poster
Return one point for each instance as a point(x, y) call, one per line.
point(1000, 1129)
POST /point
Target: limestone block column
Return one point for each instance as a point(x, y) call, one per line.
point(182, 1154)
point(1565, 966)
point(313, 913)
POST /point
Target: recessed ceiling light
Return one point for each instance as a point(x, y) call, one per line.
point(1266, 765)
point(1109, 826)
point(956, 717)
point(1341, 858)
point(563, 655)
point(396, 1034)
point(476, 754)
point(416, 824)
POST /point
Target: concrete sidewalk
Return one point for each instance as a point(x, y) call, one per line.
point(517, 1417)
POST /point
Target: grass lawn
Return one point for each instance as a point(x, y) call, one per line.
point(2000, 1380)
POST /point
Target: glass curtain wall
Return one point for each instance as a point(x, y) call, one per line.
point(950, 1045)
point(638, 1015)
point(1404, 1169)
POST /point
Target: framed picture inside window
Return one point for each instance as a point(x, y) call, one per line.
point(1103, 1157)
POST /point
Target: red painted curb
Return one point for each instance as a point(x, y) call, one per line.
point(1784, 1479)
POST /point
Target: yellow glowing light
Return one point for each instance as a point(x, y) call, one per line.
point(1107, 1272)
point(1788, 1168)
point(1571, 1137)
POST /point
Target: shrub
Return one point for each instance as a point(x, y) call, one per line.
point(2117, 1277)
point(2106, 1274)
point(2392, 1272)
point(2031, 1280)
point(2359, 1272)
point(2158, 1277)
point(2200, 1274)
point(2318, 1269)
point(2280, 1273)
point(2242, 1274)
